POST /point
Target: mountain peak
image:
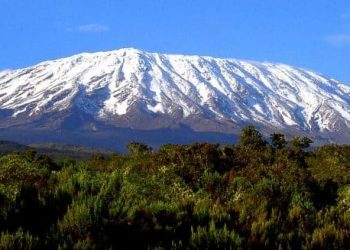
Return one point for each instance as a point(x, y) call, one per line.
point(130, 50)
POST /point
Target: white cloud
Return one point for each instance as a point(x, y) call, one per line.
point(338, 40)
point(96, 28)
point(90, 28)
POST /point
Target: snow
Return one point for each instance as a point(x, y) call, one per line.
point(344, 112)
point(235, 90)
point(122, 108)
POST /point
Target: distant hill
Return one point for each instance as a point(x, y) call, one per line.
point(9, 147)
point(54, 150)
point(69, 150)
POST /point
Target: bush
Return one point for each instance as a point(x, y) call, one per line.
point(18, 240)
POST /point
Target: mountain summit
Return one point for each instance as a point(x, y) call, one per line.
point(132, 90)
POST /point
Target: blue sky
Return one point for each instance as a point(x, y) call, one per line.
point(313, 34)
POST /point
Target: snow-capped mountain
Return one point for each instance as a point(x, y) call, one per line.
point(129, 88)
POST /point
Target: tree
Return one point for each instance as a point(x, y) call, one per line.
point(301, 142)
point(138, 148)
point(29, 154)
point(252, 138)
point(297, 150)
point(278, 140)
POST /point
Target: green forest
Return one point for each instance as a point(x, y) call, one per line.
point(261, 193)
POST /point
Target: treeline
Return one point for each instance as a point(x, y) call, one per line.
point(258, 194)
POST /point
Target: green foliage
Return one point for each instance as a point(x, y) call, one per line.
point(16, 170)
point(301, 142)
point(278, 141)
point(254, 195)
point(18, 240)
point(138, 148)
point(251, 137)
point(212, 237)
point(331, 162)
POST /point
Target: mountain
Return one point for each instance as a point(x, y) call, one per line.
point(110, 98)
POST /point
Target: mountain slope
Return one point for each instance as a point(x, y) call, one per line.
point(129, 88)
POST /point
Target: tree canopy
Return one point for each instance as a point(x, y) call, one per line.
point(258, 194)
